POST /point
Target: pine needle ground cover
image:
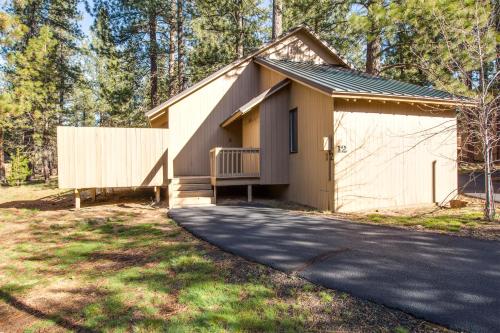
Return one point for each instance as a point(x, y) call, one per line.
point(121, 265)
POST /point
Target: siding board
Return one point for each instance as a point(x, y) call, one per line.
point(274, 139)
point(95, 157)
point(309, 167)
point(391, 149)
point(195, 120)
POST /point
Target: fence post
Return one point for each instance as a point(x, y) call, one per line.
point(249, 190)
point(77, 199)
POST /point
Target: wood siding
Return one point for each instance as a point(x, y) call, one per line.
point(274, 138)
point(396, 155)
point(309, 167)
point(269, 78)
point(95, 157)
point(195, 120)
point(251, 129)
point(301, 47)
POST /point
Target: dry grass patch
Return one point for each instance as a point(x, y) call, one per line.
point(123, 266)
point(467, 221)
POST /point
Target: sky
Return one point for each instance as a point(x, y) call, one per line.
point(87, 20)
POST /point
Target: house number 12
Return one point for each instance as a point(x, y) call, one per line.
point(342, 149)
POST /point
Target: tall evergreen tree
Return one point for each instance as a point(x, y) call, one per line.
point(329, 19)
point(51, 24)
point(277, 28)
point(37, 96)
point(115, 77)
point(224, 30)
point(138, 26)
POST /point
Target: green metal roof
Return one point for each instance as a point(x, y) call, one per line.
point(336, 79)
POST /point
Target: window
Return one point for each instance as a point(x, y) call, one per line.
point(293, 131)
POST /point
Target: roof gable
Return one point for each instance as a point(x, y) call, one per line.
point(298, 43)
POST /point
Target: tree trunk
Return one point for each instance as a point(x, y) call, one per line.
point(180, 46)
point(489, 205)
point(2, 162)
point(153, 59)
point(277, 19)
point(46, 157)
point(373, 49)
point(171, 49)
point(241, 34)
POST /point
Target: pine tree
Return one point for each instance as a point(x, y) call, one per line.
point(329, 19)
point(11, 31)
point(37, 95)
point(138, 26)
point(57, 18)
point(114, 78)
point(8, 112)
point(19, 169)
point(224, 30)
point(277, 25)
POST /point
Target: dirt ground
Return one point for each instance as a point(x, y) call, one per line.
point(120, 265)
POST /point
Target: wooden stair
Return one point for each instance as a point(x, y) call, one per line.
point(191, 192)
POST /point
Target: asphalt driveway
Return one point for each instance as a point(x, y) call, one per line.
point(448, 280)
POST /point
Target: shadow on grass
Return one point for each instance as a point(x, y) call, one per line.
point(21, 306)
point(48, 203)
point(142, 275)
point(65, 200)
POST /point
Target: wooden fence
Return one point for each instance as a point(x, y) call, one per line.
point(100, 157)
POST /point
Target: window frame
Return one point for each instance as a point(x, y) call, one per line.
point(293, 131)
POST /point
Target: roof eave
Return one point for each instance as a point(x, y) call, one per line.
point(400, 98)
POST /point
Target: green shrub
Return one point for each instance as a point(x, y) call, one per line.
point(19, 169)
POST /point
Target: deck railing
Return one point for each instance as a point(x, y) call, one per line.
point(235, 162)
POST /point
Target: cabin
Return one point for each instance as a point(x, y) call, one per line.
point(295, 119)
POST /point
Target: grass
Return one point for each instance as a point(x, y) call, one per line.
point(466, 221)
point(445, 222)
point(125, 267)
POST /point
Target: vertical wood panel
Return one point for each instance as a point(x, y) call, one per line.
point(301, 47)
point(92, 157)
point(195, 120)
point(274, 138)
point(251, 129)
point(391, 150)
point(308, 168)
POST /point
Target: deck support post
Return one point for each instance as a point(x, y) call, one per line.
point(157, 194)
point(249, 192)
point(77, 199)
